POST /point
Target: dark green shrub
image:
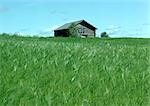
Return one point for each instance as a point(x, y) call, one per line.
point(73, 31)
point(104, 35)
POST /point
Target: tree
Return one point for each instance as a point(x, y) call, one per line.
point(5, 34)
point(104, 35)
point(73, 31)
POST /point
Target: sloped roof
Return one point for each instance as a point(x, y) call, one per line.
point(67, 25)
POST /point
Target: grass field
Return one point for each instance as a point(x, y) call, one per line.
point(74, 72)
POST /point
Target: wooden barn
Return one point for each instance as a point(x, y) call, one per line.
point(83, 29)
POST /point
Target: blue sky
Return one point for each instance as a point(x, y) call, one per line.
point(120, 18)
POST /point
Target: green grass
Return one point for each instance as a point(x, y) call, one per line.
point(74, 72)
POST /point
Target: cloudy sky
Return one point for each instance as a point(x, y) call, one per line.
point(120, 18)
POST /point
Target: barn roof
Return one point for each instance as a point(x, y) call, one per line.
point(67, 25)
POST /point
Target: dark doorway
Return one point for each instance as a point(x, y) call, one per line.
point(61, 33)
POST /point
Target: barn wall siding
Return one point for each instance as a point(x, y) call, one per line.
point(82, 30)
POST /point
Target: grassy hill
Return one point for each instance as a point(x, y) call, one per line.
point(74, 72)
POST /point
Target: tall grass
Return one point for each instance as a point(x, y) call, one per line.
point(74, 72)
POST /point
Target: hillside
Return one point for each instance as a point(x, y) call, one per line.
point(74, 72)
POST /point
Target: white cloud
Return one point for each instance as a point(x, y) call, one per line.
point(48, 31)
point(52, 28)
point(146, 24)
point(140, 31)
point(24, 29)
point(4, 9)
point(113, 29)
point(54, 12)
point(19, 34)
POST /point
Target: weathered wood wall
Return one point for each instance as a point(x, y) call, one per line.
point(84, 31)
